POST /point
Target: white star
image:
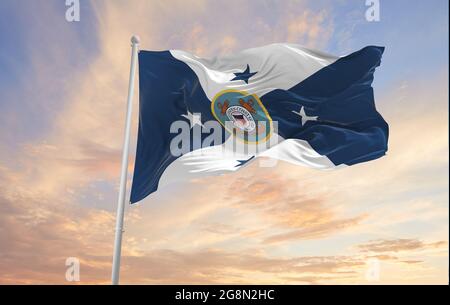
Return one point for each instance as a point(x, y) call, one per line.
point(304, 116)
point(194, 119)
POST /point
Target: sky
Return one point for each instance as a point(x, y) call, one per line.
point(63, 88)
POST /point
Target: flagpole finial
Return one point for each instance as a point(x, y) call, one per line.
point(135, 39)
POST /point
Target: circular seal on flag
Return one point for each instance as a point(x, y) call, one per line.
point(243, 115)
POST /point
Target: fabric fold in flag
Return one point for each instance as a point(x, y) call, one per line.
point(202, 117)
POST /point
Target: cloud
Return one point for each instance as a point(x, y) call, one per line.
point(217, 266)
point(315, 232)
point(398, 245)
point(36, 239)
point(309, 28)
point(279, 200)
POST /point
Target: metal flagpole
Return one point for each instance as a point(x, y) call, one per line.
point(124, 170)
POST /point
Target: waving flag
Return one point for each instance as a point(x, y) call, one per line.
point(210, 116)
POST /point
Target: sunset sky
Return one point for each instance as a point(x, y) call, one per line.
point(63, 89)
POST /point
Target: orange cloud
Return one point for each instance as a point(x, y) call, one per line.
point(397, 245)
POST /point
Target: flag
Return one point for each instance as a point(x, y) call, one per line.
point(202, 116)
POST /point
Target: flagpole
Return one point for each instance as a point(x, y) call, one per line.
point(124, 170)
